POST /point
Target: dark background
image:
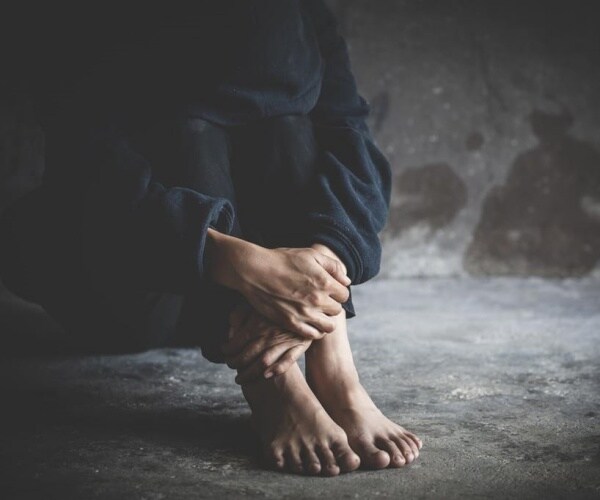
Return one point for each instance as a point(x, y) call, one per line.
point(490, 114)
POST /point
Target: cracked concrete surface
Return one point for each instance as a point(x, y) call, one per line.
point(500, 377)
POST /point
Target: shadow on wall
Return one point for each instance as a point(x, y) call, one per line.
point(545, 219)
point(431, 195)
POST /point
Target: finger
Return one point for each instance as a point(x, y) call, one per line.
point(303, 329)
point(264, 362)
point(235, 344)
point(272, 356)
point(242, 336)
point(334, 268)
point(250, 373)
point(323, 323)
point(285, 362)
point(269, 348)
point(250, 352)
point(331, 307)
point(338, 292)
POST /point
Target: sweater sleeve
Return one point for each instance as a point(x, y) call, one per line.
point(350, 195)
point(152, 236)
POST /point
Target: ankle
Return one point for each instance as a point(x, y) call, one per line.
point(328, 362)
point(286, 383)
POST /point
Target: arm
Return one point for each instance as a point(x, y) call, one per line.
point(258, 347)
point(170, 239)
point(350, 195)
point(150, 235)
point(298, 289)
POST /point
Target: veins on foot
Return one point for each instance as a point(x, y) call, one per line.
point(296, 433)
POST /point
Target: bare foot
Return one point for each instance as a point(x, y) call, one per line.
point(333, 377)
point(297, 433)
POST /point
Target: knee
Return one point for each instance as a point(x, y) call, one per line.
point(288, 145)
point(198, 126)
point(293, 126)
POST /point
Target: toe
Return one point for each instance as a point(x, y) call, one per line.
point(274, 456)
point(371, 456)
point(312, 464)
point(345, 457)
point(396, 456)
point(293, 461)
point(329, 464)
point(404, 445)
point(414, 439)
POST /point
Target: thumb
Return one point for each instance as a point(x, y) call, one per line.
point(334, 267)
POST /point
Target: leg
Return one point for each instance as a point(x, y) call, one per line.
point(46, 264)
point(274, 162)
point(333, 377)
point(41, 262)
point(196, 154)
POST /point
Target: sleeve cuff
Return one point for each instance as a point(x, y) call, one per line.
point(220, 219)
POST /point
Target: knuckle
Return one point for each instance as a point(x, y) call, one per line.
point(328, 326)
point(321, 280)
point(314, 298)
point(310, 252)
point(312, 334)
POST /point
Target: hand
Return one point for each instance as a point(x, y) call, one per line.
point(257, 347)
point(296, 288)
point(330, 253)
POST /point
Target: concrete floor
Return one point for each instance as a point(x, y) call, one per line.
point(500, 377)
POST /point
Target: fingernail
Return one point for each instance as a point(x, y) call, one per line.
point(268, 374)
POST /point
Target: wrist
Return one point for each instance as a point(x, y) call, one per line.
point(218, 250)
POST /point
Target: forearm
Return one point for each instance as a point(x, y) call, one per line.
point(218, 252)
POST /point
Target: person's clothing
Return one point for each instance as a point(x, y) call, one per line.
point(230, 62)
point(118, 236)
point(93, 281)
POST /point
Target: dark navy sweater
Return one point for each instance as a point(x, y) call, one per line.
point(230, 62)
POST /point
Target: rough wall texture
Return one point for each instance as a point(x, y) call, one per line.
point(490, 115)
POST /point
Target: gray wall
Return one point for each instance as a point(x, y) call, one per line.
point(489, 112)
